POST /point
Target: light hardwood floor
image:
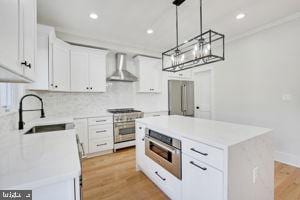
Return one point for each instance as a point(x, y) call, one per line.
point(113, 177)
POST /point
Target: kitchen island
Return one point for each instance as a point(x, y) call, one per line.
point(47, 163)
point(192, 159)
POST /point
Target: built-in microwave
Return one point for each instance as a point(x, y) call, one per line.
point(164, 150)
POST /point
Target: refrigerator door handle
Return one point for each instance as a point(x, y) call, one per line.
point(185, 98)
point(181, 94)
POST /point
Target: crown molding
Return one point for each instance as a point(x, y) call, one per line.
point(267, 26)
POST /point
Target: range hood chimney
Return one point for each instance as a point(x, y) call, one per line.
point(121, 73)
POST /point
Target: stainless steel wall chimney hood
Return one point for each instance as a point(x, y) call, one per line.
point(121, 73)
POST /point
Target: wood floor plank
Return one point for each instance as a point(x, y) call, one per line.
point(113, 177)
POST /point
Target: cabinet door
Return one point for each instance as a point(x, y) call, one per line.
point(187, 74)
point(29, 36)
point(81, 129)
point(79, 71)
point(200, 181)
point(60, 70)
point(9, 38)
point(97, 71)
point(140, 146)
point(150, 75)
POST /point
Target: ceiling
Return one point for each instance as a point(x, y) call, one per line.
point(125, 21)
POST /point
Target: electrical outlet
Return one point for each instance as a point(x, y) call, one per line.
point(287, 97)
point(254, 174)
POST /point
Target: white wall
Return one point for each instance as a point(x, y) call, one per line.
point(249, 85)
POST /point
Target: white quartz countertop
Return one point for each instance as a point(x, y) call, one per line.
point(34, 160)
point(215, 133)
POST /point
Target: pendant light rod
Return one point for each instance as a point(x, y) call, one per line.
point(201, 28)
point(177, 43)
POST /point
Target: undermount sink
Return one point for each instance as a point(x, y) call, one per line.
point(49, 128)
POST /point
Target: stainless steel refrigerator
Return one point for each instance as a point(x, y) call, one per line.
point(181, 97)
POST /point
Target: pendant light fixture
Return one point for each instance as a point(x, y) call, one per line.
point(206, 48)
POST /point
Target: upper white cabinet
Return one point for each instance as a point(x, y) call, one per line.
point(88, 69)
point(60, 66)
point(186, 74)
point(18, 37)
point(29, 37)
point(44, 33)
point(150, 74)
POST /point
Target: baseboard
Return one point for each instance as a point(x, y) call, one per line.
point(287, 158)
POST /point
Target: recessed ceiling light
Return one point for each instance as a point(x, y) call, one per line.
point(93, 16)
point(150, 31)
point(240, 16)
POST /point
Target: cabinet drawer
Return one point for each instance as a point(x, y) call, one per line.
point(100, 120)
point(156, 114)
point(97, 145)
point(200, 181)
point(205, 153)
point(165, 180)
point(101, 131)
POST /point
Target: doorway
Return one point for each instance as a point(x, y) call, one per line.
point(203, 94)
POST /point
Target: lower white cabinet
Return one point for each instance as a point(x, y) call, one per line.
point(140, 146)
point(64, 190)
point(167, 182)
point(200, 181)
point(100, 138)
point(95, 134)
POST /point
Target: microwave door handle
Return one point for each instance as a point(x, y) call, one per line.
point(162, 145)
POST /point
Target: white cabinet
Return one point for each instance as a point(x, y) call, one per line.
point(79, 71)
point(88, 70)
point(44, 33)
point(150, 74)
point(185, 75)
point(9, 36)
point(29, 36)
point(60, 66)
point(81, 127)
point(161, 177)
point(140, 146)
point(97, 70)
point(18, 37)
point(64, 190)
point(156, 114)
point(101, 134)
point(200, 181)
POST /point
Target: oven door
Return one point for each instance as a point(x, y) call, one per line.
point(124, 131)
point(165, 155)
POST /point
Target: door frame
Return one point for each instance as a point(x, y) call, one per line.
point(212, 85)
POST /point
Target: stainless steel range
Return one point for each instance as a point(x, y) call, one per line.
point(124, 126)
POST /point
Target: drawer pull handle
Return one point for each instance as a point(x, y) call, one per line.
point(101, 131)
point(103, 120)
point(143, 139)
point(203, 168)
point(157, 174)
point(140, 128)
point(156, 115)
point(203, 154)
point(99, 145)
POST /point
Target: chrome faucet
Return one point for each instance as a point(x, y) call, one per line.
point(21, 122)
